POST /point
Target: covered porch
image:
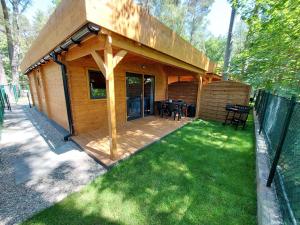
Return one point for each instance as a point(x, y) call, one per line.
point(133, 136)
point(104, 127)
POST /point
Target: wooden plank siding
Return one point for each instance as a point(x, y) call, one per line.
point(48, 94)
point(216, 95)
point(127, 19)
point(55, 94)
point(33, 89)
point(185, 90)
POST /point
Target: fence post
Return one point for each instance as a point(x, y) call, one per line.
point(281, 141)
point(257, 99)
point(261, 99)
point(263, 113)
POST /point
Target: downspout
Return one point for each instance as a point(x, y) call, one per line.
point(67, 94)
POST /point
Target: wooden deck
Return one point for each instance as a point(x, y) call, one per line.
point(133, 136)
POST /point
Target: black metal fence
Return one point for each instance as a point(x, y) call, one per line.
point(2, 107)
point(279, 120)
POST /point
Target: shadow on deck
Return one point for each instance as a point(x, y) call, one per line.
point(133, 136)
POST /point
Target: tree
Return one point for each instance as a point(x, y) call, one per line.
point(215, 50)
point(12, 32)
point(56, 2)
point(3, 80)
point(228, 48)
point(195, 22)
point(270, 58)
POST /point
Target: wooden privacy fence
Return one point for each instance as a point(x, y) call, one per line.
point(187, 91)
point(216, 95)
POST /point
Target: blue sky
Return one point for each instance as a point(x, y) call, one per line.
point(218, 18)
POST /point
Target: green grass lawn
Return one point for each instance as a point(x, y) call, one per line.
point(203, 173)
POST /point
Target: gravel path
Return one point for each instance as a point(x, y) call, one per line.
point(37, 168)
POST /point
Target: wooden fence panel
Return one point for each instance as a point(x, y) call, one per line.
point(216, 95)
point(186, 91)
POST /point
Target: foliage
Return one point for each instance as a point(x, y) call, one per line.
point(25, 34)
point(215, 50)
point(270, 58)
point(203, 173)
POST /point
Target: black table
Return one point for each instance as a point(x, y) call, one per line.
point(175, 107)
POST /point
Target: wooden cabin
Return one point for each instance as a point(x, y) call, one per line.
point(97, 68)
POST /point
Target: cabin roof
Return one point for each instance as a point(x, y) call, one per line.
point(122, 17)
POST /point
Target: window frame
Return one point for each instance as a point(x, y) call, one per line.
point(89, 88)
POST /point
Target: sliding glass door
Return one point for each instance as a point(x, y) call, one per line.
point(140, 95)
point(134, 92)
point(148, 95)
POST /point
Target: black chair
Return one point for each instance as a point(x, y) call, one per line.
point(159, 107)
point(175, 110)
point(239, 117)
point(162, 108)
point(191, 110)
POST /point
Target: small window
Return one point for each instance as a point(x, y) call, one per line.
point(97, 84)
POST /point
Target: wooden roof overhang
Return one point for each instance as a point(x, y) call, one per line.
point(132, 29)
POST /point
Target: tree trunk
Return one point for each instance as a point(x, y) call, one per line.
point(12, 36)
point(16, 52)
point(228, 45)
point(8, 31)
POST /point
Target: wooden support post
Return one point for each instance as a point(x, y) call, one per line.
point(110, 93)
point(199, 95)
point(107, 66)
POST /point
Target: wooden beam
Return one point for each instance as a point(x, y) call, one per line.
point(118, 57)
point(152, 54)
point(90, 45)
point(199, 92)
point(100, 63)
point(110, 93)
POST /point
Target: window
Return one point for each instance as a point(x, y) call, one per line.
point(97, 84)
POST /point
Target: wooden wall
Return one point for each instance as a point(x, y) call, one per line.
point(90, 114)
point(185, 90)
point(33, 89)
point(216, 95)
point(47, 92)
point(55, 97)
